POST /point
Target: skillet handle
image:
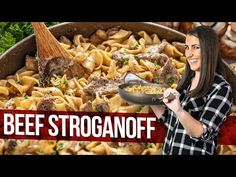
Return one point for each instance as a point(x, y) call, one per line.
point(171, 97)
point(156, 100)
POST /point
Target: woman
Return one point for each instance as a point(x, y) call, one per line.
point(203, 99)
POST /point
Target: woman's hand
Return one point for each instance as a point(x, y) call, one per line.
point(192, 126)
point(174, 104)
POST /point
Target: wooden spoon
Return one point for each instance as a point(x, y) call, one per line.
point(47, 45)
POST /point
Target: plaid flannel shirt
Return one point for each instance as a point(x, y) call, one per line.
point(211, 110)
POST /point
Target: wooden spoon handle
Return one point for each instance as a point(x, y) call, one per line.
point(47, 45)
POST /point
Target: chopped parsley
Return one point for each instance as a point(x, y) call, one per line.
point(58, 85)
point(170, 80)
point(66, 84)
point(98, 109)
point(156, 63)
point(124, 60)
point(60, 146)
point(51, 143)
point(149, 145)
point(40, 153)
point(157, 80)
point(81, 143)
point(91, 97)
point(28, 143)
point(139, 108)
point(135, 46)
point(54, 152)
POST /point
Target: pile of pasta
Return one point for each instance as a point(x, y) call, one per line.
point(226, 150)
point(22, 91)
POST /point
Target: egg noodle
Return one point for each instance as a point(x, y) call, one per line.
point(145, 89)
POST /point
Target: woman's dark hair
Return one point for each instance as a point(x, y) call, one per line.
point(211, 62)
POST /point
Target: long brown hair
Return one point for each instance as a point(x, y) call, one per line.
point(211, 62)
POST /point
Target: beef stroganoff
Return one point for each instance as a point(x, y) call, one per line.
point(90, 83)
point(145, 89)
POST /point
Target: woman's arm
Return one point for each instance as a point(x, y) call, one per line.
point(213, 115)
point(158, 110)
point(192, 126)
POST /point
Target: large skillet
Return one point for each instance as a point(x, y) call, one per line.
point(138, 98)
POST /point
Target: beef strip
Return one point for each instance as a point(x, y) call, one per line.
point(135, 148)
point(158, 58)
point(179, 46)
point(168, 73)
point(153, 54)
point(88, 107)
point(31, 63)
point(59, 66)
point(65, 40)
point(11, 145)
point(46, 104)
point(103, 106)
point(102, 86)
point(121, 58)
point(95, 39)
point(75, 70)
point(112, 31)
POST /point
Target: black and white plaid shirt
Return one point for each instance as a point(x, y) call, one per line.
point(210, 110)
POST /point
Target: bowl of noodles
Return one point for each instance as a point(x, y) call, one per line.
point(103, 53)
